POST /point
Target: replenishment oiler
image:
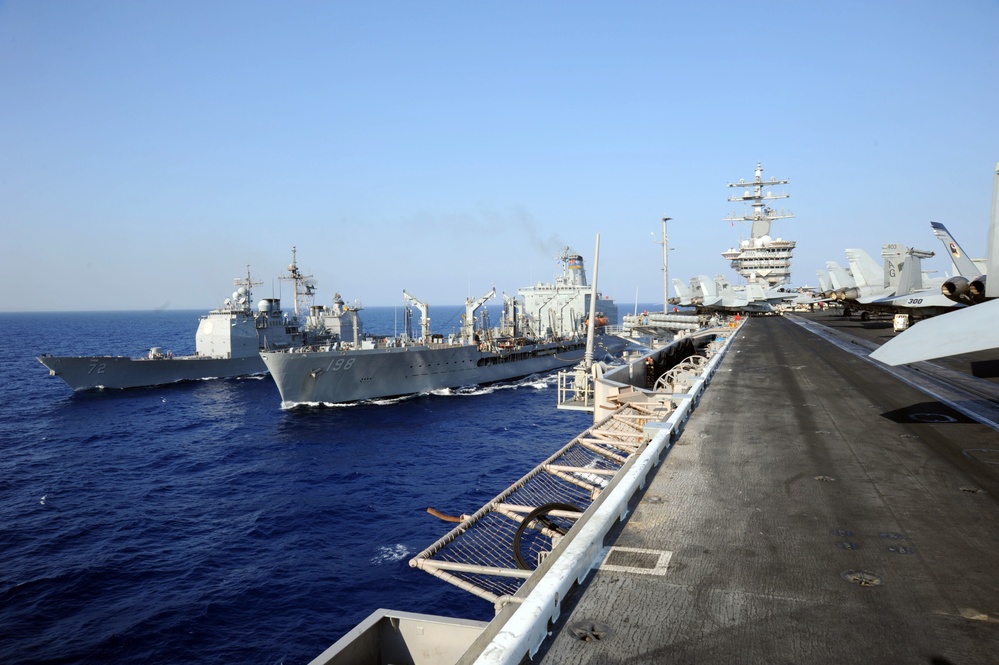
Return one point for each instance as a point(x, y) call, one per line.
point(227, 343)
point(543, 328)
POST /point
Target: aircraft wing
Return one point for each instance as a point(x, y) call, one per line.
point(966, 330)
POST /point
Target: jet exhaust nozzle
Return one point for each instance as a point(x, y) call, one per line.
point(957, 288)
point(977, 289)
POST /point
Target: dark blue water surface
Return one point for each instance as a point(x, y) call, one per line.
point(200, 522)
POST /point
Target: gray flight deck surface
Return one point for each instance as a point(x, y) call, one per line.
point(812, 515)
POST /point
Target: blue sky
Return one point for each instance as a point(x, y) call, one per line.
point(150, 150)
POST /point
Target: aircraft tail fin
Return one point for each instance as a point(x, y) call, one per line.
point(838, 276)
point(865, 270)
point(722, 286)
point(893, 253)
point(824, 284)
point(754, 291)
point(911, 277)
point(696, 292)
point(682, 291)
point(965, 266)
point(708, 287)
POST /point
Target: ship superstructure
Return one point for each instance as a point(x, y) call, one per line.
point(761, 257)
point(543, 328)
point(562, 307)
point(227, 343)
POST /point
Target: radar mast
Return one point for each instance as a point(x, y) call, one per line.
point(305, 285)
point(242, 299)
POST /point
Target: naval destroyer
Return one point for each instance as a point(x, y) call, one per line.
point(542, 328)
point(227, 343)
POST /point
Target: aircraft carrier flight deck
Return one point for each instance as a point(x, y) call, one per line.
point(815, 509)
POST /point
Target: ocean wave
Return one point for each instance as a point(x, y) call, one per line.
point(218, 527)
point(390, 553)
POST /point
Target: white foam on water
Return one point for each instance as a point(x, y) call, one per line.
point(390, 553)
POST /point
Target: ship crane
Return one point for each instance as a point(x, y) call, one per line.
point(471, 307)
point(508, 322)
point(424, 315)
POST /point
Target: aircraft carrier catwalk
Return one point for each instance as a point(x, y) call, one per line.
point(815, 509)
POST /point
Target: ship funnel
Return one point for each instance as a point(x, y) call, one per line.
point(576, 271)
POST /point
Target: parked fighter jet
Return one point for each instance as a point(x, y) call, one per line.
point(720, 296)
point(970, 329)
point(684, 297)
point(912, 296)
point(839, 277)
point(897, 287)
point(967, 286)
point(825, 286)
point(871, 281)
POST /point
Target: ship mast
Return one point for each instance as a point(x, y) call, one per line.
point(305, 285)
point(665, 244)
point(240, 300)
point(591, 322)
point(762, 216)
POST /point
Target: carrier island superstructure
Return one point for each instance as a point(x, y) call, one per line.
point(761, 257)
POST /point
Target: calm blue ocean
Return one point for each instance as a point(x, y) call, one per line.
point(201, 523)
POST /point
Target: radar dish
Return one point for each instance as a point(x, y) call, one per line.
point(311, 284)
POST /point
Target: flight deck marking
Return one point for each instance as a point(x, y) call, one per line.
point(636, 560)
point(988, 452)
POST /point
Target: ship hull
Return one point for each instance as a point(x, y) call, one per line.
point(336, 376)
point(113, 372)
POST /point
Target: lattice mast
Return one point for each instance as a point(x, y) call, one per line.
point(762, 216)
point(305, 286)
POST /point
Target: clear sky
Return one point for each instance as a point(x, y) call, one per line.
point(149, 151)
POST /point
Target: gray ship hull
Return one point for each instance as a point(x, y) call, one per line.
point(335, 376)
point(88, 373)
